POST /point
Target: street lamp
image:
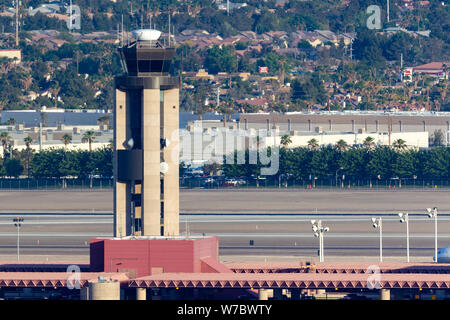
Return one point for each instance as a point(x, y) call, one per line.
point(404, 217)
point(318, 231)
point(341, 168)
point(378, 224)
point(433, 213)
point(18, 223)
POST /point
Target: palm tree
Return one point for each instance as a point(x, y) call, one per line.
point(4, 137)
point(28, 141)
point(227, 110)
point(89, 136)
point(399, 144)
point(285, 140)
point(341, 145)
point(369, 142)
point(110, 144)
point(66, 138)
point(313, 144)
point(55, 89)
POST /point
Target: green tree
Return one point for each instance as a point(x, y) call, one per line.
point(324, 162)
point(28, 141)
point(66, 138)
point(46, 163)
point(313, 144)
point(399, 144)
point(435, 163)
point(12, 168)
point(296, 162)
point(369, 142)
point(220, 59)
point(406, 164)
point(437, 139)
point(89, 136)
point(341, 145)
point(4, 137)
point(381, 162)
point(102, 161)
point(211, 168)
point(285, 140)
point(354, 162)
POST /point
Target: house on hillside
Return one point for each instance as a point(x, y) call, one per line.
point(434, 69)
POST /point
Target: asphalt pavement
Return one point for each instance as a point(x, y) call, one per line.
point(274, 237)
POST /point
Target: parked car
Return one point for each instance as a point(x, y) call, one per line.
point(230, 182)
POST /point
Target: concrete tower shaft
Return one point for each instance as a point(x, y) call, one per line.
point(146, 118)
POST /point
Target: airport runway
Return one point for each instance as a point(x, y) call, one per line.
point(350, 236)
point(239, 201)
point(60, 223)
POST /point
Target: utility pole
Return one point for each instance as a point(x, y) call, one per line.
point(18, 223)
point(76, 52)
point(388, 11)
point(218, 96)
point(401, 67)
point(40, 136)
point(351, 49)
point(118, 33)
point(169, 30)
point(70, 16)
point(181, 70)
point(378, 224)
point(433, 213)
point(17, 23)
point(404, 217)
point(389, 128)
point(121, 39)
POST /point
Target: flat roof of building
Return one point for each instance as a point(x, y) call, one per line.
point(291, 280)
point(55, 279)
point(247, 275)
point(155, 238)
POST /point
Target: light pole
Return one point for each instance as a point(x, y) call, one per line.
point(378, 224)
point(18, 223)
point(341, 168)
point(404, 217)
point(433, 213)
point(319, 230)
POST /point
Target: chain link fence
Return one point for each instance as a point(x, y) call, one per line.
point(94, 184)
point(330, 183)
point(56, 184)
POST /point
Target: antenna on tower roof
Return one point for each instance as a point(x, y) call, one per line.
point(17, 23)
point(128, 39)
point(173, 28)
point(121, 34)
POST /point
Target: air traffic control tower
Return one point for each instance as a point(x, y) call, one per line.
point(146, 120)
point(146, 238)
